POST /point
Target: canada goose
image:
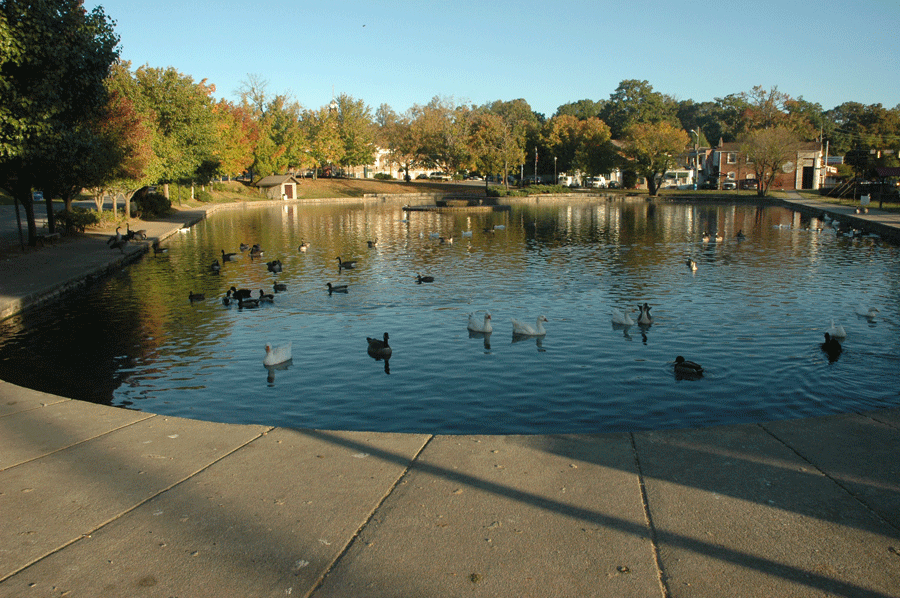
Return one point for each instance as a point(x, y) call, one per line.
point(240, 294)
point(274, 266)
point(832, 347)
point(215, 267)
point(303, 247)
point(192, 296)
point(644, 317)
point(248, 302)
point(373, 243)
point(420, 279)
point(346, 264)
point(279, 286)
point(379, 349)
point(132, 234)
point(266, 297)
point(227, 257)
point(691, 264)
point(256, 251)
point(336, 288)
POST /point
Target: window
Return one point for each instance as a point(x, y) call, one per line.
point(732, 158)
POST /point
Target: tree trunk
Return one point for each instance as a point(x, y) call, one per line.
point(51, 219)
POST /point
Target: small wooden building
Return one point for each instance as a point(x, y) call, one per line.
point(278, 186)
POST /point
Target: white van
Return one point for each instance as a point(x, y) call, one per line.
point(565, 181)
point(595, 182)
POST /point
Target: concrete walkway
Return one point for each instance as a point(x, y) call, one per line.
point(100, 501)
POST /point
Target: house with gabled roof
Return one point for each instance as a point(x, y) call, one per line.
point(278, 186)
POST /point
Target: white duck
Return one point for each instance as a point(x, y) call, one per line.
point(866, 312)
point(524, 329)
point(836, 330)
point(276, 355)
point(622, 318)
point(476, 326)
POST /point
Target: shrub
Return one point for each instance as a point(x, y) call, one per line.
point(153, 204)
point(78, 219)
point(383, 176)
point(201, 195)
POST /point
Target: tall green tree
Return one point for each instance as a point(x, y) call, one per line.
point(55, 58)
point(323, 137)
point(582, 109)
point(651, 149)
point(357, 130)
point(183, 120)
point(635, 102)
point(768, 150)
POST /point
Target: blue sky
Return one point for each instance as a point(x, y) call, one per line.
point(549, 53)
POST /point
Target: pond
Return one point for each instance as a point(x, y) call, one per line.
point(752, 314)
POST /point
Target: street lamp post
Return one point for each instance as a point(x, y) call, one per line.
point(555, 177)
point(696, 157)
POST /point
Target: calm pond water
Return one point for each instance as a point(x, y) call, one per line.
point(753, 314)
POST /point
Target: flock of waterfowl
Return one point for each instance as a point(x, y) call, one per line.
point(479, 324)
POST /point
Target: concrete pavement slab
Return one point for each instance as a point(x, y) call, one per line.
point(858, 452)
point(739, 513)
point(269, 520)
point(47, 503)
point(34, 433)
point(507, 516)
point(14, 398)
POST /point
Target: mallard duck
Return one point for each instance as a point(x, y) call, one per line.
point(256, 250)
point(336, 288)
point(483, 326)
point(240, 294)
point(705, 237)
point(274, 266)
point(303, 247)
point(346, 264)
point(192, 296)
point(215, 267)
point(379, 349)
point(447, 240)
point(373, 243)
point(226, 300)
point(244, 247)
point(227, 257)
point(279, 286)
point(523, 329)
point(266, 297)
point(687, 368)
point(420, 279)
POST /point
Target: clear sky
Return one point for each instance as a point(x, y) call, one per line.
point(405, 52)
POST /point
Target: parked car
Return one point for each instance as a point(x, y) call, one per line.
point(729, 185)
point(440, 176)
point(749, 184)
point(614, 185)
point(710, 184)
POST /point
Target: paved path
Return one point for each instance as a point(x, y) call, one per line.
point(101, 501)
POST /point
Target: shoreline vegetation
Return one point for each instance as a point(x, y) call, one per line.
point(348, 188)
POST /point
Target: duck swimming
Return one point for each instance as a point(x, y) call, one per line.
point(621, 318)
point(279, 286)
point(336, 288)
point(644, 317)
point(266, 297)
point(420, 279)
point(483, 326)
point(379, 349)
point(192, 296)
point(836, 330)
point(523, 329)
point(687, 368)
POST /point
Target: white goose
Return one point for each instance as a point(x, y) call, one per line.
point(866, 312)
point(836, 330)
point(523, 329)
point(276, 355)
point(476, 326)
point(622, 318)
